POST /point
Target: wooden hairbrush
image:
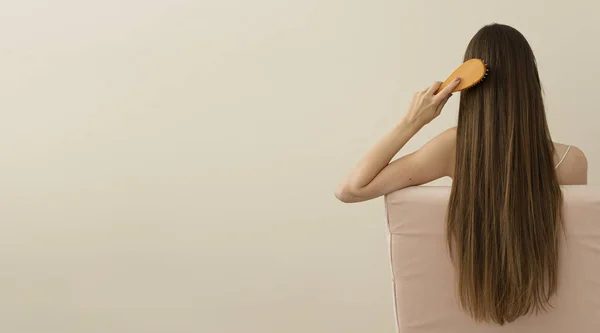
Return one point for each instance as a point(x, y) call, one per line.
point(471, 72)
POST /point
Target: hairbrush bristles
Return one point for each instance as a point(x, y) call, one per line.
point(487, 71)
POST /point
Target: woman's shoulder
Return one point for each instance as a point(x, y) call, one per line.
point(571, 164)
point(569, 153)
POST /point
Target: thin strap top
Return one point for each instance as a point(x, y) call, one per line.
point(563, 158)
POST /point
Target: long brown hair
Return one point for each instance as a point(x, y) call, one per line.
point(504, 214)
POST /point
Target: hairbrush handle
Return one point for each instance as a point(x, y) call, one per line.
point(471, 72)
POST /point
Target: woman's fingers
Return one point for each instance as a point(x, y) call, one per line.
point(442, 104)
point(433, 87)
point(426, 106)
point(448, 89)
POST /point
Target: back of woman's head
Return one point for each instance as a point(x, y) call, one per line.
point(503, 221)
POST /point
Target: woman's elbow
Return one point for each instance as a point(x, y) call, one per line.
point(345, 194)
point(341, 194)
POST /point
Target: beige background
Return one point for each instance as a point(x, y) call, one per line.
point(168, 165)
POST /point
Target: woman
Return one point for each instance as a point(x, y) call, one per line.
point(504, 214)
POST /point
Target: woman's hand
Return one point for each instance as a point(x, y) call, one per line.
point(425, 106)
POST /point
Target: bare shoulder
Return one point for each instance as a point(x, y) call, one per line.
point(574, 166)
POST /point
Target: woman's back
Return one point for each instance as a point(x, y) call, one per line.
point(569, 161)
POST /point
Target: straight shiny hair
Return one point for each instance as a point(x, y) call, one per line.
point(504, 214)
